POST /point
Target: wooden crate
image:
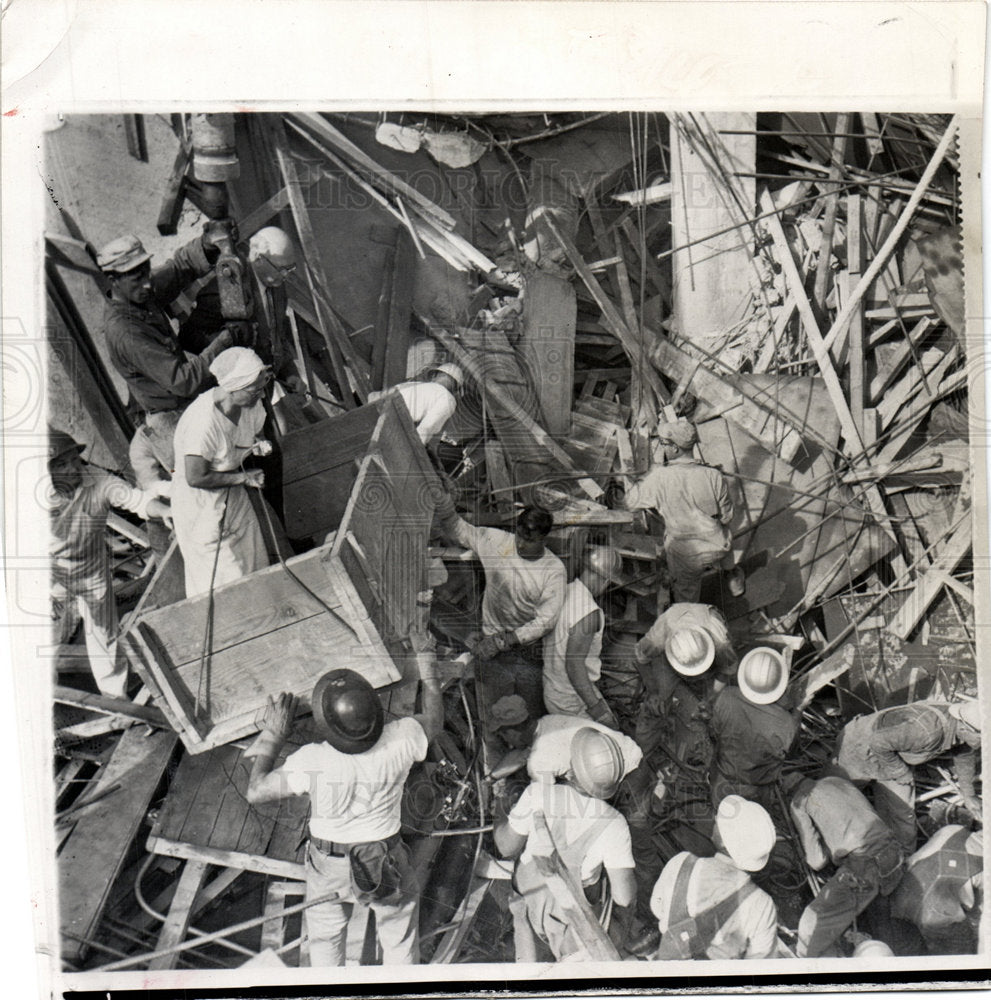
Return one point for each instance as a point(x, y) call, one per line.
point(268, 632)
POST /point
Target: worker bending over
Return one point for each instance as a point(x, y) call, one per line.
point(942, 892)
point(694, 502)
point(162, 378)
point(572, 648)
point(524, 593)
point(590, 837)
point(432, 403)
point(751, 732)
point(82, 586)
point(684, 642)
point(883, 747)
point(837, 825)
point(710, 907)
point(355, 780)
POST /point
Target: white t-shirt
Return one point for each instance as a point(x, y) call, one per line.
point(569, 814)
point(550, 755)
point(560, 696)
point(430, 405)
point(356, 797)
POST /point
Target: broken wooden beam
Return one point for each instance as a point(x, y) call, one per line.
point(179, 916)
point(107, 705)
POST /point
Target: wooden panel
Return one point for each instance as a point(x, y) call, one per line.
point(180, 914)
point(92, 857)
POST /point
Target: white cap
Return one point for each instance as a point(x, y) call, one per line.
point(747, 832)
point(453, 371)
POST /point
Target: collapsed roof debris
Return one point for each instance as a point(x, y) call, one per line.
point(789, 286)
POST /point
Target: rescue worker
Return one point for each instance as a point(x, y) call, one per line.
point(432, 403)
point(751, 731)
point(82, 587)
point(694, 502)
point(590, 836)
point(162, 378)
point(942, 891)
point(883, 747)
point(572, 648)
point(355, 780)
point(684, 642)
point(524, 593)
point(837, 825)
point(215, 524)
point(710, 907)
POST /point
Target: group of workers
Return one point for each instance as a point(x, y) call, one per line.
point(536, 666)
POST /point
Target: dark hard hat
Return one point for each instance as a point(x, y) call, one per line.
point(348, 710)
point(59, 443)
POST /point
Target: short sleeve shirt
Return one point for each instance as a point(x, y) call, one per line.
point(356, 798)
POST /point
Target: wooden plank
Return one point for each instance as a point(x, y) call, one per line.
point(168, 214)
point(548, 345)
point(834, 338)
point(894, 363)
point(260, 217)
point(180, 913)
point(453, 940)
point(106, 705)
point(94, 853)
point(228, 859)
point(931, 368)
point(134, 136)
point(855, 254)
point(950, 553)
point(836, 171)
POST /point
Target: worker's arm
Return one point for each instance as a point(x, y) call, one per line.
point(580, 638)
point(432, 716)
point(815, 850)
point(455, 527)
point(200, 476)
point(623, 887)
point(437, 416)
point(264, 784)
point(762, 922)
point(548, 610)
point(724, 502)
point(509, 841)
point(192, 261)
point(122, 495)
point(641, 495)
point(965, 769)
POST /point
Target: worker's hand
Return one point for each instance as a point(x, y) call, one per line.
point(156, 508)
point(293, 383)
point(444, 504)
point(655, 704)
point(58, 608)
point(241, 332)
point(488, 647)
point(261, 448)
point(973, 805)
point(279, 715)
point(254, 478)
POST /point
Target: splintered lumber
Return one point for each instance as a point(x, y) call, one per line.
point(772, 426)
point(452, 942)
point(632, 342)
point(596, 943)
point(93, 855)
point(391, 338)
point(855, 255)
point(832, 204)
point(836, 335)
point(894, 363)
point(106, 705)
point(548, 346)
point(931, 582)
point(257, 219)
point(180, 913)
point(805, 686)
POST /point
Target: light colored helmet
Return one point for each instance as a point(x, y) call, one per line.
point(690, 651)
point(596, 762)
point(747, 832)
point(968, 712)
point(872, 948)
point(604, 561)
point(762, 675)
point(453, 371)
point(274, 244)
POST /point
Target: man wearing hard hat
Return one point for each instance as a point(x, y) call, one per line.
point(751, 731)
point(589, 835)
point(837, 826)
point(883, 747)
point(694, 501)
point(710, 907)
point(162, 378)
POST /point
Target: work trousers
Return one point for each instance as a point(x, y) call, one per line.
point(95, 605)
point(396, 918)
point(514, 671)
point(894, 801)
point(856, 883)
point(160, 430)
point(689, 559)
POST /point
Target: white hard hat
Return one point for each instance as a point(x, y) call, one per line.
point(596, 762)
point(274, 244)
point(451, 370)
point(762, 675)
point(604, 561)
point(968, 712)
point(690, 651)
point(872, 948)
point(747, 832)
